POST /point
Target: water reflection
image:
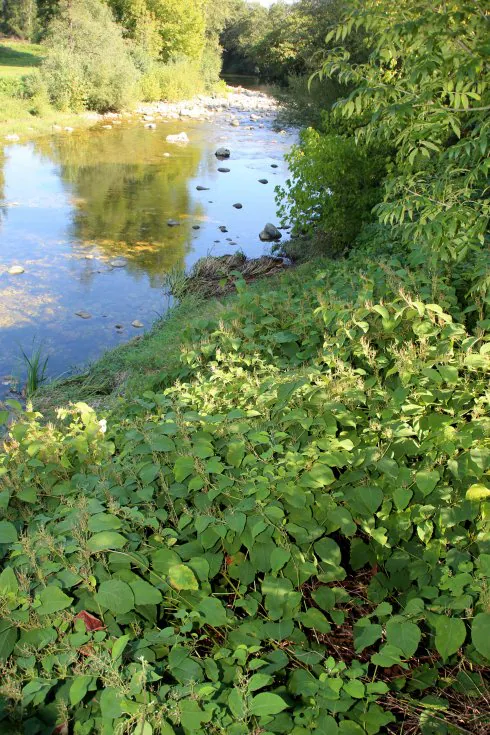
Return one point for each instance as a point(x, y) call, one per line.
point(74, 203)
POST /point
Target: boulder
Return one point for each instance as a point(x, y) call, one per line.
point(223, 153)
point(270, 233)
point(179, 138)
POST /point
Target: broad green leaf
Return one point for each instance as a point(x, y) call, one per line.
point(8, 638)
point(480, 634)
point(106, 540)
point(8, 533)
point(320, 475)
point(119, 646)
point(267, 704)
point(103, 522)
point(426, 480)
point(111, 703)
point(79, 689)
point(328, 551)
point(450, 635)
point(145, 593)
point(404, 635)
point(53, 599)
point(315, 619)
point(259, 681)
point(183, 467)
point(213, 611)
point(182, 577)
point(365, 634)
point(116, 596)
point(8, 582)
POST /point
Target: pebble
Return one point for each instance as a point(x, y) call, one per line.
point(173, 223)
point(223, 228)
point(150, 126)
point(83, 314)
point(223, 153)
point(119, 326)
point(263, 181)
point(224, 170)
point(16, 270)
point(137, 324)
point(196, 227)
point(118, 262)
point(202, 188)
point(238, 205)
point(274, 165)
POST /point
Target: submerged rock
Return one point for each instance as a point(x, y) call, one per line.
point(173, 223)
point(224, 170)
point(223, 228)
point(263, 181)
point(223, 153)
point(137, 324)
point(270, 233)
point(202, 188)
point(238, 205)
point(118, 262)
point(274, 165)
point(16, 270)
point(83, 314)
point(179, 138)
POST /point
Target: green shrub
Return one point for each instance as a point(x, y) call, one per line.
point(89, 64)
point(287, 533)
point(333, 187)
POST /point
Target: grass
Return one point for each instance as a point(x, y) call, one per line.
point(35, 365)
point(19, 57)
point(134, 367)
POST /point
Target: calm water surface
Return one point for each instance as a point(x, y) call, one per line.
point(70, 204)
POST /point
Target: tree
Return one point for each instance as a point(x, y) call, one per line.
point(425, 89)
point(20, 18)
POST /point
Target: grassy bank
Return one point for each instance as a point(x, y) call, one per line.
point(278, 525)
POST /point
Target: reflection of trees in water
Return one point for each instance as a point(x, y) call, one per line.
point(125, 191)
point(2, 184)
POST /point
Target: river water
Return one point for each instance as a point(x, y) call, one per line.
point(73, 202)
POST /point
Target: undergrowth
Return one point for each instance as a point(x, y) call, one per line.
point(284, 532)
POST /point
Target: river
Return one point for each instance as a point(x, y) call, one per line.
point(73, 203)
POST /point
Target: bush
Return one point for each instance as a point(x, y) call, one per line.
point(89, 64)
point(333, 187)
point(177, 80)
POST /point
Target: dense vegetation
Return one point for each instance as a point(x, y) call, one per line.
point(104, 55)
point(285, 528)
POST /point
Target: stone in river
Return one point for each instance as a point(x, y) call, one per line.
point(223, 228)
point(118, 262)
point(235, 123)
point(270, 233)
point(202, 188)
point(16, 270)
point(224, 170)
point(119, 326)
point(83, 314)
point(263, 181)
point(238, 205)
point(179, 138)
point(196, 227)
point(137, 324)
point(223, 153)
point(274, 165)
point(173, 223)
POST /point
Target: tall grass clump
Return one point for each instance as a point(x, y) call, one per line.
point(35, 365)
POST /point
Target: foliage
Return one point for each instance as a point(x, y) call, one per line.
point(287, 532)
point(178, 79)
point(88, 65)
point(333, 186)
point(425, 89)
point(35, 365)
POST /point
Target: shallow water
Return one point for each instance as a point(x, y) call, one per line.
point(71, 203)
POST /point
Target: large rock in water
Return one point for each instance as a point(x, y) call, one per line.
point(270, 233)
point(223, 153)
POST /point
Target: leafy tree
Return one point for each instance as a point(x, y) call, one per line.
point(20, 18)
point(425, 90)
point(88, 63)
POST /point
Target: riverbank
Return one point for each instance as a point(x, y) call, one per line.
point(201, 107)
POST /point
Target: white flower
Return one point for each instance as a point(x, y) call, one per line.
point(103, 426)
